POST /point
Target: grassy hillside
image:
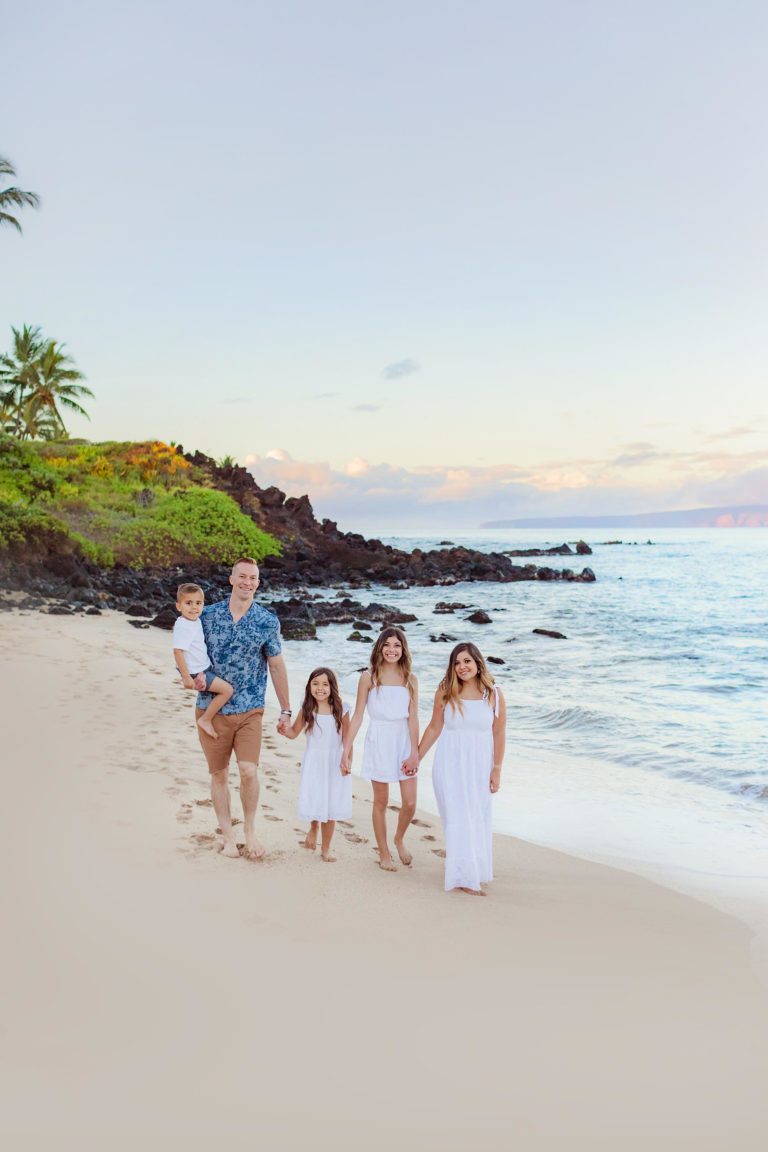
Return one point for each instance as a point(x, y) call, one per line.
point(137, 504)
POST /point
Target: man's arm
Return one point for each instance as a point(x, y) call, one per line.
point(279, 675)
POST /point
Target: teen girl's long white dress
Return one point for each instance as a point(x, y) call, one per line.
point(461, 777)
point(387, 741)
point(324, 794)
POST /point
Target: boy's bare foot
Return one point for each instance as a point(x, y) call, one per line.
point(329, 859)
point(207, 727)
point(473, 891)
point(230, 850)
point(405, 856)
point(309, 841)
point(387, 864)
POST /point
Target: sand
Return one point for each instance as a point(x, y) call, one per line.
point(158, 996)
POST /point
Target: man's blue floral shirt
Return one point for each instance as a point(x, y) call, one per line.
point(239, 651)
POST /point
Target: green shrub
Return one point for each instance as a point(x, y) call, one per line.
point(195, 525)
point(32, 530)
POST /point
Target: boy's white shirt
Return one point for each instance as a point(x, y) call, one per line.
point(188, 635)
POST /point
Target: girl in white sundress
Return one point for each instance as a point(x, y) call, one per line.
point(388, 691)
point(468, 722)
point(325, 787)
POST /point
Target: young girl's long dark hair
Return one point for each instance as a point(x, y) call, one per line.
point(377, 656)
point(309, 704)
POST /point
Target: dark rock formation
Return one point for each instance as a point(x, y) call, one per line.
point(549, 632)
point(479, 617)
point(494, 660)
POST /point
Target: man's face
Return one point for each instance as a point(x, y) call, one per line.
point(245, 579)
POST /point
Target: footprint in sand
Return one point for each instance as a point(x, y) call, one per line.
point(439, 852)
point(204, 803)
point(354, 838)
point(267, 807)
point(278, 818)
point(396, 808)
point(204, 839)
point(421, 823)
point(429, 837)
point(236, 820)
point(344, 824)
point(183, 815)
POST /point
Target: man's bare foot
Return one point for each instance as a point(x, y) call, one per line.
point(230, 850)
point(309, 841)
point(405, 857)
point(329, 859)
point(254, 849)
point(207, 727)
point(473, 891)
point(387, 864)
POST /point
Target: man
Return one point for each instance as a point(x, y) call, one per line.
point(243, 641)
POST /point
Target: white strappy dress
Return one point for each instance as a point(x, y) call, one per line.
point(324, 794)
point(461, 776)
point(387, 741)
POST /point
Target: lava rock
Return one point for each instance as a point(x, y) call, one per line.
point(479, 617)
point(494, 660)
point(549, 632)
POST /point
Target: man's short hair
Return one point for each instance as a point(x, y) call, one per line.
point(188, 590)
point(245, 560)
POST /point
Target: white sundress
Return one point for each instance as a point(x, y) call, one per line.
point(324, 794)
point(461, 775)
point(387, 741)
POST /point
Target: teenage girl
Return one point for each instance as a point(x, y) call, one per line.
point(388, 691)
point(325, 788)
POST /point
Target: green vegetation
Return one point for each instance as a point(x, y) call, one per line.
point(14, 197)
point(37, 379)
point(137, 504)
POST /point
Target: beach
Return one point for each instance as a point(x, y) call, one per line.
point(160, 996)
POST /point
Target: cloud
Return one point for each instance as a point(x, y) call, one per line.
point(372, 497)
point(325, 395)
point(400, 368)
point(732, 433)
point(365, 408)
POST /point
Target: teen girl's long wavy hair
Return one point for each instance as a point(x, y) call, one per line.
point(451, 685)
point(405, 664)
point(309, 704)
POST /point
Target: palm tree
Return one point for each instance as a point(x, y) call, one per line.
point(57, 386)
point(14, 197)
point(37, 380)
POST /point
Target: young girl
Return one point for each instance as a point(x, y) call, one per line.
point(469, 718)
point(389, 692)
point(325, 788)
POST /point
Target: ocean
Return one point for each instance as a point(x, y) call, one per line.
point(641, 739)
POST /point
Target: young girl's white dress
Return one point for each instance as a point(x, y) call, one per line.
point(324, 794)
point(461, 777)
point(387, 741)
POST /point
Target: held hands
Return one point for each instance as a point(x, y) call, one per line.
point(346, 762)
point(495, 779)
point(282, 725)
point(411, 765)
point(194, 683)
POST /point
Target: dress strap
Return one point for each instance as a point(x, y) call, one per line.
point(495, 700)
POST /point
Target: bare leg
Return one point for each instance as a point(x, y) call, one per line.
point(222, 692)
point(221, 806)
point(327, 830)
point(407, 813)
point(249, 794)
point(310, 840)
point(380, 801)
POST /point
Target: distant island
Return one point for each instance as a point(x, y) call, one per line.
point(738, 516)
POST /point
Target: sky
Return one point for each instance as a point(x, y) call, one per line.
point(432, 263)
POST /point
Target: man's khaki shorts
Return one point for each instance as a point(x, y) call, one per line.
point(239, 732)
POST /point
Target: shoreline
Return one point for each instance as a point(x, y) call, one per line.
point(291, 1001)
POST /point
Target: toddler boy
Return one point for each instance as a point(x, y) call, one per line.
point(191, 654)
